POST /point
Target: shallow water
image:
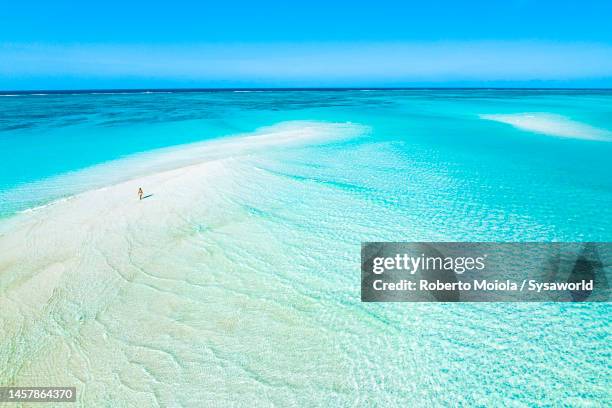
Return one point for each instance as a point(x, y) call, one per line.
point(252, 296)
point(561, 183)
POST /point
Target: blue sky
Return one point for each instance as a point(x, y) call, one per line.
point(129, 44)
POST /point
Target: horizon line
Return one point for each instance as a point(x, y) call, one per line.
point(221, 89)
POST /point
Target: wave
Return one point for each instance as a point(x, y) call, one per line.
point(42, 206)
point(123, 93)
point(552, 125)
point(91, 93)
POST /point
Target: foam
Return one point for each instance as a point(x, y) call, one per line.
point(552, 125)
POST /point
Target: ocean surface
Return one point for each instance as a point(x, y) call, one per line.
point(490, 164)
point(276, 313)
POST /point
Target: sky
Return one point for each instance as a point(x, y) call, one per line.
point(131, 44)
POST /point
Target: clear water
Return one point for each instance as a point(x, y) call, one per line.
point(281, 321)
point(432, 149)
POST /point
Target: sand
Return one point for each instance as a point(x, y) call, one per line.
point(113, 294)
point(552, 125)
point(237, 284)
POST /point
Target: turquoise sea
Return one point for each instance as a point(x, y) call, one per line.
point(279, 320)
point(428, 154)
